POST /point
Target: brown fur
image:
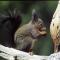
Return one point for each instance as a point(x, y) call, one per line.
point(26, 36)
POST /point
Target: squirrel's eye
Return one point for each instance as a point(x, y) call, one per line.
point(57, 27)
point(40, 24)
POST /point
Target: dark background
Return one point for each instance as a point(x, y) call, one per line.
point(45, 9)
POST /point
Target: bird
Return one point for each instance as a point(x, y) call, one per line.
point(55, 28)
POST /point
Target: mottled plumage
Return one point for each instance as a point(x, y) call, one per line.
point(55, 28)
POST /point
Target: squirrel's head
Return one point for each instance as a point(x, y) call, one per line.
point(39, 28)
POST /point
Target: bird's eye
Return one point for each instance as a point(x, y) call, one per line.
point(53, 24)
point(57, 27)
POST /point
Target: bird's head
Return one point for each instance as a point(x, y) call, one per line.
point(55, 26)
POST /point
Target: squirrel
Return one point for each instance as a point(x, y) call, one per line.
point(26, 35)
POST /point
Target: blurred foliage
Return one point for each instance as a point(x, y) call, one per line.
point(45, 9)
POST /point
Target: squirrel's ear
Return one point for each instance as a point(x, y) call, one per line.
point(34, 16)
